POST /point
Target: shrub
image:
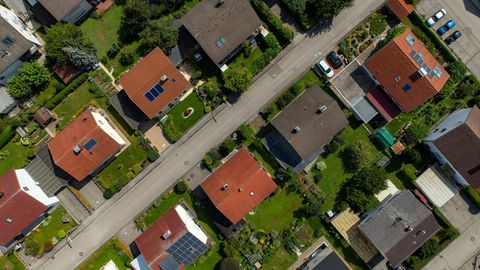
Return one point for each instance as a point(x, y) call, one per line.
point(60, 96)
point(245, 132)
point(472, 194)
point(333, 145)
point(61, 234)
point(274, 23)
point(137, 168)
point(410, 155)
point(113, 51)
point(228, 146)
point(391, 34)
point(48, 246)
point(109, 192)
point(229, 263)
point(181, 187)
point(126, 57)
point(31, 247)
point(6, 136)
point(317, 177)
point(207, 109)
point(378, 23)
point(466, 89)
point(356, 156)
point(457, 71)
point(408, 173)
point(152, 155)
point(428, 249)
point(130, 175)
point(196, 76)
point(172, 135)
point(417, 131)
point(237, 79)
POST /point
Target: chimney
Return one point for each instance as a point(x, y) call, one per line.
point(321, 109)
point(225, 187)
point(9, 220)
point(1, 194)
point(164, 78)
point(251, 193)
point(166, 234)
point(296, 130)
point(77, 149)
point(220, 2)
point(240, 189)
point(408, 229)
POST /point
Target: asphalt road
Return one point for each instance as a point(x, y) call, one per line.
point(112, 216)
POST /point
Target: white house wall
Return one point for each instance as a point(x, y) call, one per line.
point(28, 185)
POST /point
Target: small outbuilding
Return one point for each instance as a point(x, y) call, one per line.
point(43, 116)
point(436, 187)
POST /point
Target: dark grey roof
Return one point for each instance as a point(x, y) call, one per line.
point(20, 46)
point(6, 100)
point(208, 22)
point(399, 227)
point(316, 128)
point(128, 110)
point(60, 8)
point(324, 258)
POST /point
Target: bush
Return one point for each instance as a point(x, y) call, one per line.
point(48, 246)
point(109, 192)
point(410, 155)
point(31, 247)
point(196, 76)
point(274, 23)
point(137, 168)
point(317, 177)
point(237, 79)
point(207, 109)
point(126, 57)
point(356, 156)
point(172, 135)
point(6, 136)
point(391, 34)
point(467, 88)
point(61, 234)
point(417, 131)
point(228, 146)
point(113, 51)
point(30, 79)
point(472, 194)
point(334, 144)
point(152, 155)
point(457, 71)
point(130, 175)
point(428, 249)
point(229, 263)
point(378, 23)
point(181, 187)
point(407, 173)
point(60, 96)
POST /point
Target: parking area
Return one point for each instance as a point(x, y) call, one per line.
point(73, 206)
point(156, 138)
point(460, 211)
point(467, 17)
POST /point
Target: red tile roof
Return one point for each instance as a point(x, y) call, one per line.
point(401, 8)
point(17, 205)
point(394, 67)
point(77, 133)
point(383, 103)
point(248, 186)
point(146, 74)
point(151, 243)
point(66, 72)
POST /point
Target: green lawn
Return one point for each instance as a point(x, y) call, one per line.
point(241, 60)
point(281, 260)
point(17, 155)
point(175, 125)
point(268, 161)
point(113, 250)
point(49, 228)
point(276, 213)
point(103, 32)
point(11, 262)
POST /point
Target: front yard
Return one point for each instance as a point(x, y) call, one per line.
point(114, 250)
point(54, 228)
point(11, 262)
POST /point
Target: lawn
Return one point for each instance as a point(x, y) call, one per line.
point(11, 262)
point(113, 250)
point(119, 68)
point(16, 155)
point(268, 161)
point(48, 230)
point(241, 60)
point(281, 260)
point(103, 32)
point(276, 213)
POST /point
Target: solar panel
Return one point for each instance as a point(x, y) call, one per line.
point(154, 92)
point(90, 144)
point(413, 53)
point(431, 74)
point(149, 96)
point(159, 88)
point(169, 263)
point(187, 249)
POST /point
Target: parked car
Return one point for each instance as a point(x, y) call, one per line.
point(334, 59)
point(449, 40)
point(324, 68)
point(444, 28)
point(435, 18)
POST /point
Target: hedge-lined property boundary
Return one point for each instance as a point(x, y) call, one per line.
point(284, 34)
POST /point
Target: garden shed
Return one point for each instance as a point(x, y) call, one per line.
point(385, 138)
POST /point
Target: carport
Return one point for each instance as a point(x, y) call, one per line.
point(436, 187)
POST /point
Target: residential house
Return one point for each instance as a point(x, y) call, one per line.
point(86, 145)
point(324, 258)
point(455, 143)
point(7, 103)
point(17, 44)
point(401, 8)
point(221, 27)
point(172, 242)
point(154, 85)
point(23, 205)
point(304, 127)
point(399, 227)
point(235, 189)
point(407, 72)
point(68, 11)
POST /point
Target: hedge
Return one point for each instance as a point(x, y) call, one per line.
point(6, 136)
point(270, 53)
point(472, 194)
point(60, 96)
point(444, 50)
point(284, 34)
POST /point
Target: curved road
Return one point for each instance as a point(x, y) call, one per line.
point(182, 156)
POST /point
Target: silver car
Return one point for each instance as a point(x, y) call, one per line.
point(435, 18)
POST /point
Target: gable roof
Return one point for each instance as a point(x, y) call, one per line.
point(43, 115)
point(83, 129)
point(401, 8)
point(316, 128)
point(6, 100)
point(395, 67)
point(461, 147)
point(209, 21)
point(146, 74)
point(248, 185)
point(399, 227)
point(16, 206)
point(60, 8)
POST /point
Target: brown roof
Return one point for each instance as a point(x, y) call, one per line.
point(248, 185)
point(395, 67)
point(383, 103)
point(316, 128)
point(399, 227)
point(59, 8)
point(43, 116)
point(208, 22)
point(78, 133)
point(146, 74)
point(461, 147)
point(153, 246)
point(401, 8)
point(16, 205)
point(66, 72)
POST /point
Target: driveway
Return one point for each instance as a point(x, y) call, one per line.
point(467, 17)
point(156, 138)
point(460, 211)
point(73, 206)
point(92, 194)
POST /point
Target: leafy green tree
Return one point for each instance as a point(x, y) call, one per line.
point(237, 79)
point(356, 156)
point(417, 131)
point(245, 132)
point(428, 249)
point(229, 263)
point(410, 155)
point(136, 16)
point(80, 58)
point(210, 87)
point(160, 33)
point(63, 35)
point(31, 78)
point(370, 180)
point(227, 146)
point(328, 8)
point(18, 88)
point(181, 187)
point(357, 200)
point(314, 207)
point(457, 71)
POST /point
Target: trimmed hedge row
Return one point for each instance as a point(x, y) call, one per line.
point(284, 34)
point(60, 96)
point(6, 136)
point(472, 194)
point(444, 50)
point(271, 52)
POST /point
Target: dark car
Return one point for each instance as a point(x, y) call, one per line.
point(334, 59)
point(453, 37)
point(444, 29)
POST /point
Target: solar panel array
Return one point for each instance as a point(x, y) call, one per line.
point(187, 249)
point(169, 263)
point(418, 57)
point(90, 144)
point(154, 92)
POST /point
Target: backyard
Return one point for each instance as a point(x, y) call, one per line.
point(11, 262)
point(14, 155)
point(114, 250)
point(54, 228)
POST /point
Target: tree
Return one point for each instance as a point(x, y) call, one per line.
point(314, 207)
point(297, 7)
point(417, 131)
point(357, 200)
point(136, 16)
point(237, 79)
point(428, 249)
point(80, 58)
point(467, 89)
point(245, 132)
point(356, 156)
point(410, 155)
point(181, 187)
point(31, 78)
point(229, 263)
point(210, 87)
point(370, 180)
point(457, 71)
point(160, 33)
point(328, 8)
point(63, 35)
point(227, 146)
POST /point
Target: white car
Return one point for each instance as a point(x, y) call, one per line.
point(325, 68)
point(435, 18)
